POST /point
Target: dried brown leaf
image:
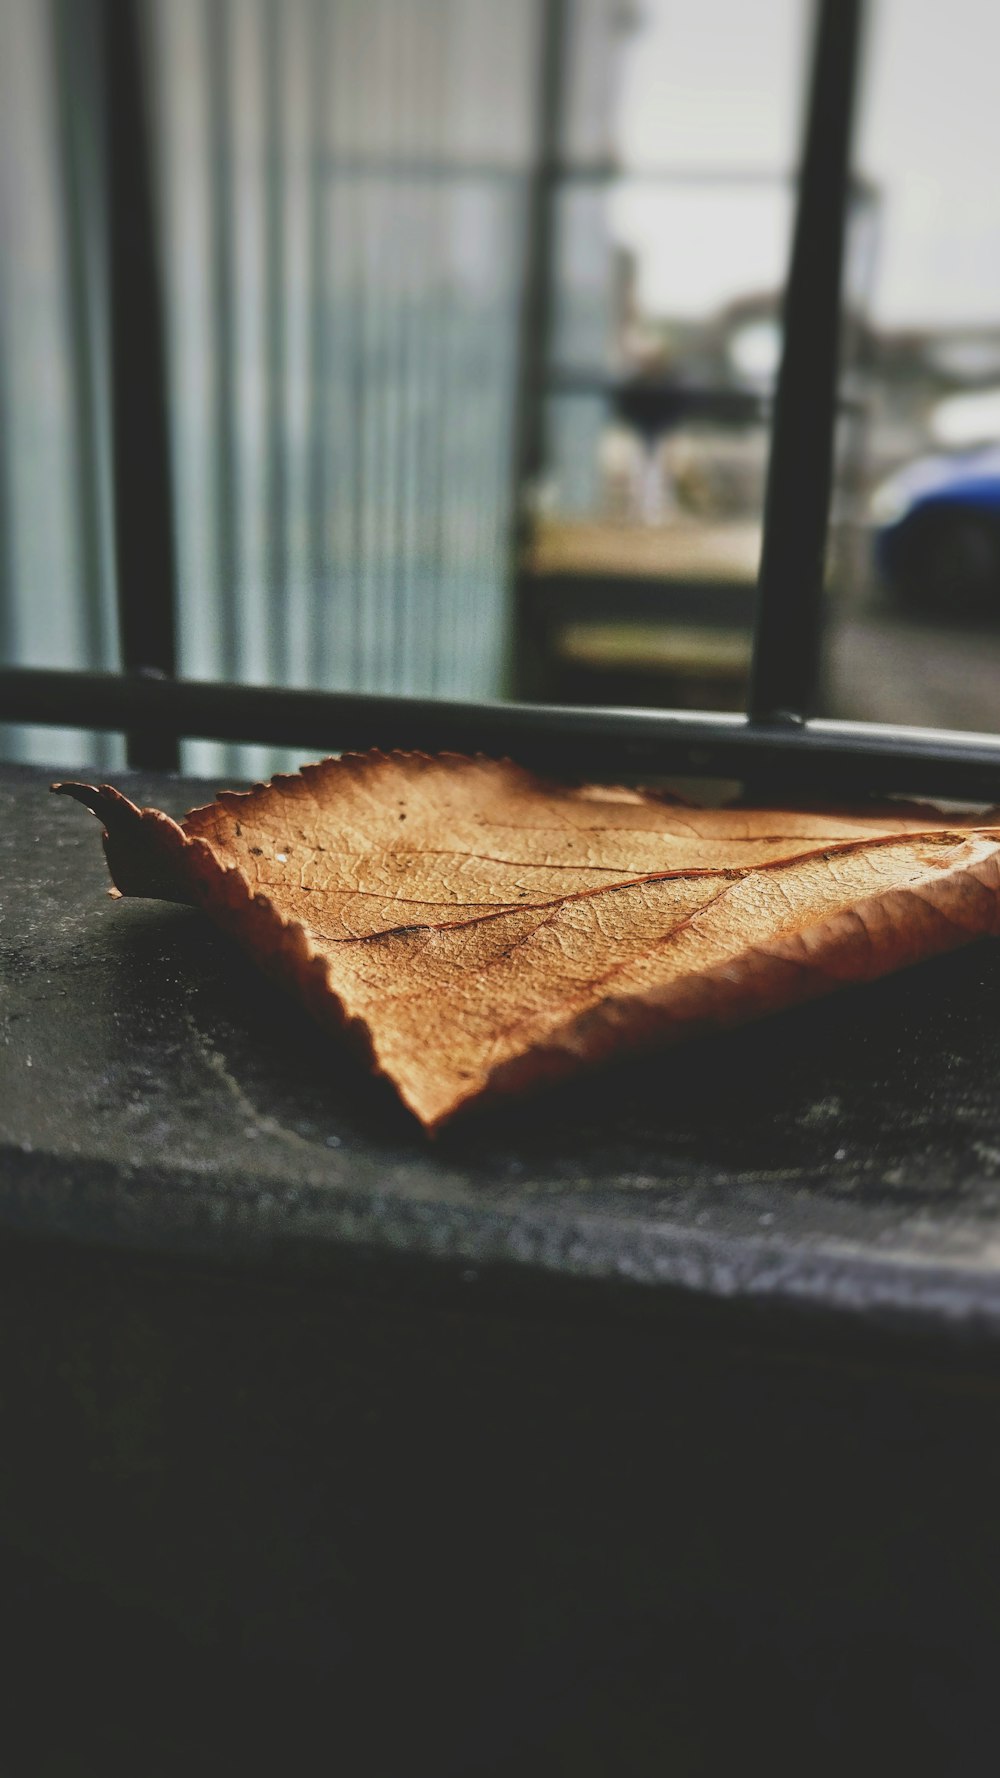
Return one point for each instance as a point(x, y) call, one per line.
point(481, 930)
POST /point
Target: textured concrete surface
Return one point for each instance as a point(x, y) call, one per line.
point(156, 1096)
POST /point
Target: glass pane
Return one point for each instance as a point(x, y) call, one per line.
point(56, 580)
point(342, 193)
point(344, 207)
point(344, 220)
point(916, 633)
point(670, 258)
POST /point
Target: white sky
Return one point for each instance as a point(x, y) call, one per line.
point(718, 83)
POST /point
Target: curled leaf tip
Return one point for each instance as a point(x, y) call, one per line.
point(87, 794)
point(140, 844)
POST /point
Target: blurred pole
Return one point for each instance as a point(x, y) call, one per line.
point(143, 505)
point(276, 340)
point(79, 99)
point(537, 302)
point(788, 629)
point(217, 44)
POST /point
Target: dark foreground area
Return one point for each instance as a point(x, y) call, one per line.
point(651, 1425)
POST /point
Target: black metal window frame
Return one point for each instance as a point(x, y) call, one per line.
point(777, 742)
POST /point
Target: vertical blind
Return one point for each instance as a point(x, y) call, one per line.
point(56, 573)
point(342, 200)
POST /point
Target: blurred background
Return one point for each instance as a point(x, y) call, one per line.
point(472, 318)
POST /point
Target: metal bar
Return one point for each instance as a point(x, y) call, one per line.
point(537, 301)
point(217, 25)
point(143, 507)
point(276, 346)
point(815, 758)
point(9, 638)
point(796, 510)
point(75, 88)
point(319, 425)
point(582, 172)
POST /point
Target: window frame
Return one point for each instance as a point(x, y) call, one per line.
point(776, 741)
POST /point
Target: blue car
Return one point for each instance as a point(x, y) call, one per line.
point(937, 537)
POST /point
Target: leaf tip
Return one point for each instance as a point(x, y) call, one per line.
point(140, 845)
point(87, 794)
